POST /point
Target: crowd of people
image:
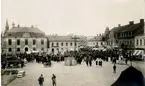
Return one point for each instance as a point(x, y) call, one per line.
point(87, 55)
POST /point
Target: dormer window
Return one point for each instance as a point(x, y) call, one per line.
point(10, 35)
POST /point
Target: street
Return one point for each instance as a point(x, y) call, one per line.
point(79, 75)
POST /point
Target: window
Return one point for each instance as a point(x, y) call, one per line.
point(101, 43)
point(137, 42)
point(34, 48)
point(26, 41)
point(66, 44)
point(62, 44)
point(42, 41)
point(10, 49)
point(9, 34)
point(10, 41)
point(57, 44)
point(18, 42)
point(42, 49)
point(140, 41)
point(75, 44)
point(18, 49)
point(34, 41)
point(131, 34)
point(52, 44)
point(130, 42)
point(70, 44)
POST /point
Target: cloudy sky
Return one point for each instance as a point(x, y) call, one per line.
point(81, 17)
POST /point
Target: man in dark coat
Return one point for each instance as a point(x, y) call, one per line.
point(53, 80)
point(114, 68)
point(41, 80)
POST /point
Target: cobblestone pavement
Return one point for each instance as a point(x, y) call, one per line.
point(79, 75)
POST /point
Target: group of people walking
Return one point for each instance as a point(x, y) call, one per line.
point(41, 80)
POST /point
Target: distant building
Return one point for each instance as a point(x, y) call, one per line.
point(61, 44)
point(24, 39)
point(95, 41)
point(110, 36)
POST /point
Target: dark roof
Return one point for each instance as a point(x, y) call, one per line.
point(19, 31)
point(128, 28)
point(130, 77)
point(96, 38)
point(24, 29)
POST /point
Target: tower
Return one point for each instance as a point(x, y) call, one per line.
point(6, 27)
point(13, 24)
point(107, 31)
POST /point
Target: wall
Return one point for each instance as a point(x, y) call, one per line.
point(22, 45)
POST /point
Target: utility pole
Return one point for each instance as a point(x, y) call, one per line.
point(75, 42)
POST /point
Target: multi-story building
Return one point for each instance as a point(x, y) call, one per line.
point(126, 34)
point(110, 37)
point(61, 44)
point(95, 41)
point(140, 44)
point(24, 39)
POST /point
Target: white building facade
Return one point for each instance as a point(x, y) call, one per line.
point(95, 42)
point(140, 44)
point(24, 39)
point(61, 44)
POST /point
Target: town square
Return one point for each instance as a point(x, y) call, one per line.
point(73, 43)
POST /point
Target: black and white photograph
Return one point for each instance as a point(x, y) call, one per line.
point(72, 43)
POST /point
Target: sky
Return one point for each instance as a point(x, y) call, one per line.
point(80, 17)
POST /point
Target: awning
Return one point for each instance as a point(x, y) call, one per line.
point(95, 49)
point(35, 51)
point(104, 50)
point(139, 52)
point(135, 52)
point(28, 52)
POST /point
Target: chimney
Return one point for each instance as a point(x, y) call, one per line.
point(131, 22)
point(18, 25)
point(141, 20)
point(119, 25)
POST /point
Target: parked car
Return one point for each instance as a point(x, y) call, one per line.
point(21, 74)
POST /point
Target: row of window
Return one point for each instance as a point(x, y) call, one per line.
point(26, 42)
point(125, 34)
point(18, 49)
point(140, 41)
point(129, 42)
point(62, 44)
point(96, 43)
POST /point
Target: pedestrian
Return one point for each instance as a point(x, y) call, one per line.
point(96, 62)
point(41, 80)
point(114, 68)
point(90, 62)
point(126, 61)
point(53, 80)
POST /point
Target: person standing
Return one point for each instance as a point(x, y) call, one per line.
point(53, 80)
point(90, 61)
point(114, 68)
point(41, 80)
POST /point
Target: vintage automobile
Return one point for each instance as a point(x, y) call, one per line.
point(21, 74)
